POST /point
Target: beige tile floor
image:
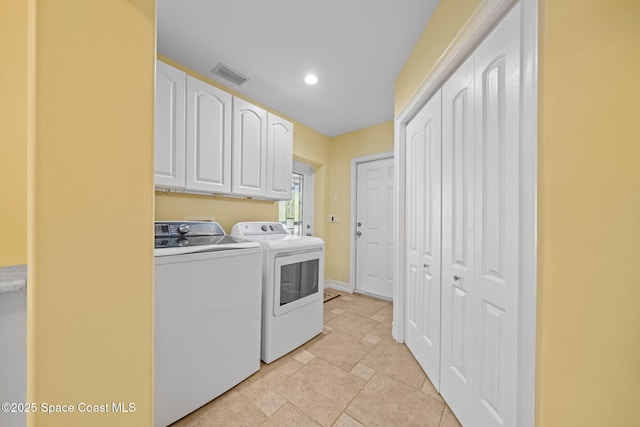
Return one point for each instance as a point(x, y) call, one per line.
point(353, 374)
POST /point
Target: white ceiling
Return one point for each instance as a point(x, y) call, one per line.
point(357, 48)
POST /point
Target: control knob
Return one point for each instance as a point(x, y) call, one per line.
point(183, 228)
point(263, 228)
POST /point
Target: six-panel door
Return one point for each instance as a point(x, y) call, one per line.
point(374, 227)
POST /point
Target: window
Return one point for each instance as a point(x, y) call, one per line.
point(297, 214)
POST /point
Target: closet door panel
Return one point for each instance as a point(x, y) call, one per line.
point(423, 142)
point(457, 239)
point(497, 174)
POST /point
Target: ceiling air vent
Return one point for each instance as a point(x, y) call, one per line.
point(227, 73)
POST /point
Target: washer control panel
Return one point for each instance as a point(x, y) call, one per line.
point(187, 228)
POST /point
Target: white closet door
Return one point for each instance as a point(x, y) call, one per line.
point(423, 142)
point(457, 239)
point(497, 172)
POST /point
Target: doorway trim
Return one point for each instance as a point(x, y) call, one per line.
point(352, 217)
point(480, 23)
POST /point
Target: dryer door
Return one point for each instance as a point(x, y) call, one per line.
point(298, 280)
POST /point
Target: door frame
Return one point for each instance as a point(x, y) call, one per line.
point(481, 22)
point(307, 170)
point(354, 206)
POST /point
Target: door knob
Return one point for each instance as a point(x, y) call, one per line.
point(425, 265)
point(358, 233)
point(456, 278)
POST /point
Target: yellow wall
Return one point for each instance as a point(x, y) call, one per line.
point(13, 132)
point(90, 195)
point(344, 148)
point(308, 145)
point(447, 19)
point(589, 215)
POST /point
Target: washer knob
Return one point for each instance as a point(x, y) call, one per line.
point(263, 228)
point(183, 228)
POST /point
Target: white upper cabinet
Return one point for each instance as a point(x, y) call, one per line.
point(249, 149)
point(169, 126)
point(209, 142)
point(208, 152)
point(279, 157)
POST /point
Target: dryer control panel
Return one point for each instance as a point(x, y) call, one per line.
point(260, 228)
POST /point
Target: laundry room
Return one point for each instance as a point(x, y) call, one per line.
point(364, 213)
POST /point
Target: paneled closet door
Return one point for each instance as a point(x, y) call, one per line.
point(423, 151)
point(497, 192)
point(457, 239)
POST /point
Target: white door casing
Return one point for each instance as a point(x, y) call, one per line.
point(169, 126)
point(457, 238)
point(374, 228)
point(308, 195)
point(208, 147)
point(423, 243)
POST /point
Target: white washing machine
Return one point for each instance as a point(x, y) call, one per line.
point(292, 286)
point(208, 292)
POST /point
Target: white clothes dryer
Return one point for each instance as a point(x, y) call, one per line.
point(292, 286)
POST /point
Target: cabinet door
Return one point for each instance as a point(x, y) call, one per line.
point(208, 164)
point(249, 149)
point(169, 131)
point(279, 157)
point(458, 163)
point(423, 141)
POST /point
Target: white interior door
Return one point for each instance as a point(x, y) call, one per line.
point(497, 238)
point(374, 228)
point(457, 238)
point(423, 228)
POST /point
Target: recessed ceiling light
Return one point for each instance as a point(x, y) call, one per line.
point(311, 79)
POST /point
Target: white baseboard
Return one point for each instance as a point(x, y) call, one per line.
point(339, 286)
